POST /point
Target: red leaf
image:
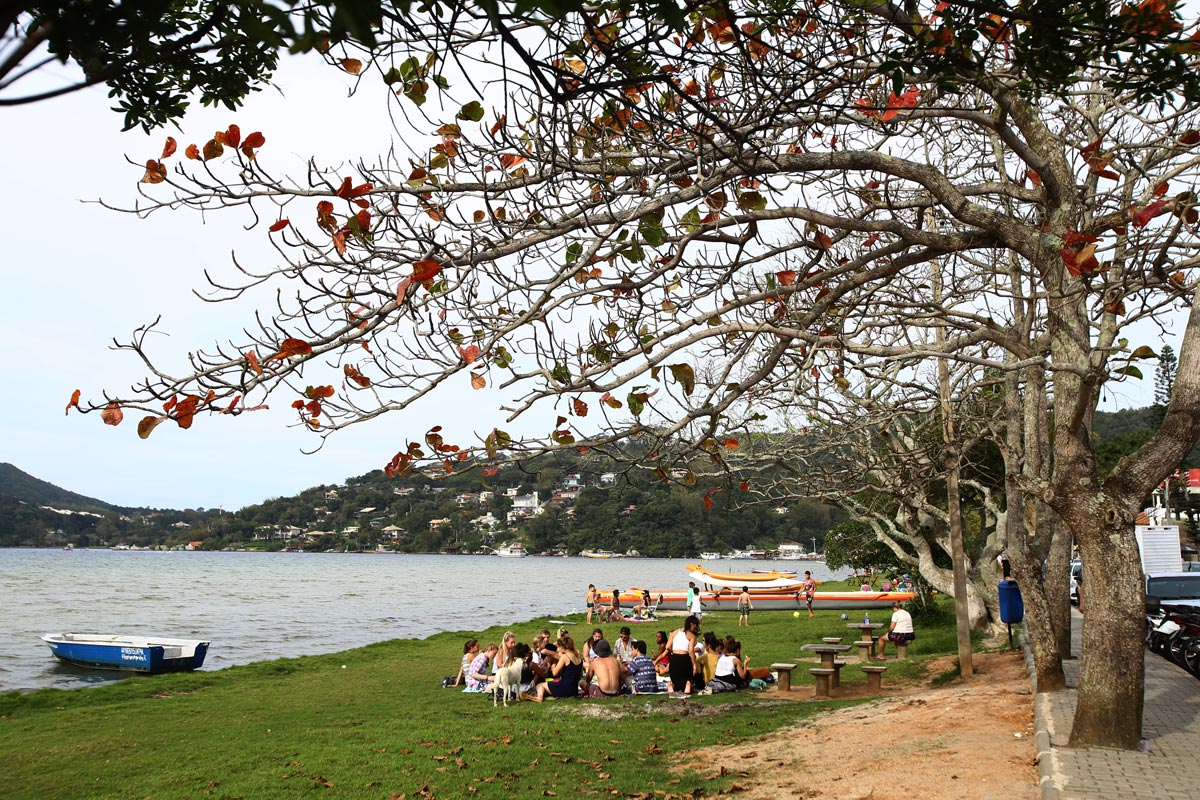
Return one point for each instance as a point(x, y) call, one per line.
point(353, 374)
point(510, 160)
point(1034, 178)
point(233, 136)
point(155, 172)
point(232, 405)
point(112, 414)
point(169, 148)
point(313, 407)
point(871, 240)
point(318, 392)
point(731, 444)
point(290, 348)
point(786, 277)
point(744, 486)
point(192, 152)
point(1160, 189)
point(708, 502)
point(424, 270)
point(252, 360)
point(252, 143)
point(1190, 138)
point(823, 241)
point(580, 408)
point(74, 402)
point(402, 290)
point(279, 225)
point(469, 354)
point(1142, 218)
point(185, 410)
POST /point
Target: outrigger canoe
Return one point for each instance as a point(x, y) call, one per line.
point(774, 591)
point(151, 654)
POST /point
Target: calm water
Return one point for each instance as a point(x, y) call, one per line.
point(260, 606)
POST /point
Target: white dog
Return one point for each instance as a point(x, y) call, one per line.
point(508, 681)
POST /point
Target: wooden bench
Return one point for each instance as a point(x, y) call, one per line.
point(823, 676)
point(785, 675)
point(866, 650)
point(831, 639)
point(874, 678)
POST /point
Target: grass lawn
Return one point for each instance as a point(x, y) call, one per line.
point(375, 723)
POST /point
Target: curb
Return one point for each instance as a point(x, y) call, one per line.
point(1048, 777)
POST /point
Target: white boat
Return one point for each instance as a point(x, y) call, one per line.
point(511, 551)
point(710, 556)
point(598, 554)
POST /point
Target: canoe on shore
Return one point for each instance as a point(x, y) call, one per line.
point(768, 599)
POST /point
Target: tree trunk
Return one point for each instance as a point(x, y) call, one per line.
point(1039, 627)
point(1058, 587)
point(1112, 670)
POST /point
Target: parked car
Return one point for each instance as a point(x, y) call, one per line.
point(1173, 589)
point(1076, 576)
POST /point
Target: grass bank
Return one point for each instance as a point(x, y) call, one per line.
point(375, 723)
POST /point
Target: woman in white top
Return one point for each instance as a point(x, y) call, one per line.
point(900, 631)
point(682, 665)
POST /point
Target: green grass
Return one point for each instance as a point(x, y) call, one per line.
point(382, 726)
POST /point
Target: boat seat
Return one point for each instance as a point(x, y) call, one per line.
point(172, 652)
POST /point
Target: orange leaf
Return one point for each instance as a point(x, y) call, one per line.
point(185, 410)
point(74, 402)
point(232, 405)
point(352, 65)
point(252, 143)
point(289, 348)
point(510, 160)
point(169, 147)
point(823, 241)
point(112, 414)
point(279, 225)
point(469, 354)
point(353, 374)
point(402, 289)
point(252, 360)
point(478, 381)
point(148, 424)
point(155, 172)
point(192, 152)
point(708, 502)
point(425, 270)
point(318, 392)
point(731, 444)
point(786, 277)
point(580, 407)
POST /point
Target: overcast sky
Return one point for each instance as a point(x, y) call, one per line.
point(78, 275)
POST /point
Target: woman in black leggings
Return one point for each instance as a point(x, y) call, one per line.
point(682, 665)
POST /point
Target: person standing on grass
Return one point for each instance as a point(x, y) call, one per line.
point(810, 591)
point(900, 631)
point(591, 598)
point(683, 665)
point(696, 605)
point(744, 606)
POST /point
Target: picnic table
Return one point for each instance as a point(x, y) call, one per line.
point(826, 651)
point(866, 629)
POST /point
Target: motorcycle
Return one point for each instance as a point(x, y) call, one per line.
point(1161, 625)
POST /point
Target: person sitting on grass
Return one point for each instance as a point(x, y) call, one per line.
point(605, 674)
point(479, 678)
point(642, 675)
point(597, 635)
point(470, 650)
point(663, 656)
point(900, 631)
point(529, 675)
point(565, 672)
point(624, 646)
point(732, 673)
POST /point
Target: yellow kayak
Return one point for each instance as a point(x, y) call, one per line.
point(734, 577)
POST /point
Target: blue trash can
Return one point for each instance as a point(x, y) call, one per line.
point(1012, 607)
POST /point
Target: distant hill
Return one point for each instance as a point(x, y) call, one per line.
point(23, 487)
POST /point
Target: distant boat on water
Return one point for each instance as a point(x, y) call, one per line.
point(511, 551)
point(598, 554)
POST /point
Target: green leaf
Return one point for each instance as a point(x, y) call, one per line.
point(1129, 370)
point(1143, 352)
point(651, 229)
point(560, 373)
point(691, 221)
point(751, 201)
point(472, 111)
point(392, 76)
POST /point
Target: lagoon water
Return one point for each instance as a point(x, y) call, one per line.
point(261, 606)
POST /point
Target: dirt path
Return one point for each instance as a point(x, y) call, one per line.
point(965, 739)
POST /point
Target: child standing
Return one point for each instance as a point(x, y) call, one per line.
point(744, 606)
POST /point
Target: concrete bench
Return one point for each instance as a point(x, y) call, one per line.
point(831, 639)
point(785, 675)
point(874, 678)
point(835, 680)
point(902, 650)
point(823, 676)
point(866, 650)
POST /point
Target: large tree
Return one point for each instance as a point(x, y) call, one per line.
point(752, 219)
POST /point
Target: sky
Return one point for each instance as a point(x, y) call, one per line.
point(77, 275)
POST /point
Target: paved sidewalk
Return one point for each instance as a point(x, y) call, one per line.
point(1170, 770)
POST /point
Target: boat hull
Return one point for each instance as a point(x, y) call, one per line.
point(128, 653)
point(771, 600)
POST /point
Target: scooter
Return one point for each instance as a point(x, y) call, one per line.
point(1161, 625)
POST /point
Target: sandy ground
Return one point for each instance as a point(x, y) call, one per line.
point(970, 738)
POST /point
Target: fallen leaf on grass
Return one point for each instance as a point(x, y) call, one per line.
point(751, 754)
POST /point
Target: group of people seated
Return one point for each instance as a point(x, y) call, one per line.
point(558, 667)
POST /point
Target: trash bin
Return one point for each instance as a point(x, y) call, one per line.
point(1012, 607)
